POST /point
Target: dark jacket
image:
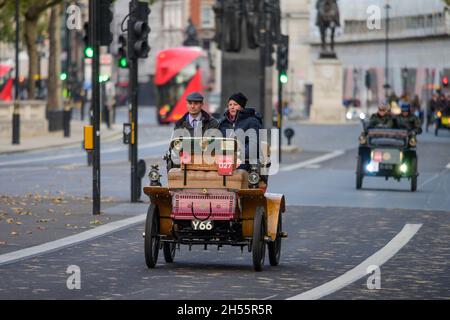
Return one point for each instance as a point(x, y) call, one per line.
point(246, 119)
point(410, 123)
point(208, 122)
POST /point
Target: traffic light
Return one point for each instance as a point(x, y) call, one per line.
point(445, 81)
point(122, 52)
point(88, 49)
point(283, 54)
point(138, 30)
point(104, 18)
point(63, 76)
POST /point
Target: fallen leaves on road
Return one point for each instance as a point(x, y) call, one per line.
point(41, 228)
point(96, 222)
point(51, 210)
point(19, 223)
point(2, 243)
point(14, 233)
point(10, 221)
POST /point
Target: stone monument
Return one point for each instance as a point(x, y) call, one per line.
point(327, 104)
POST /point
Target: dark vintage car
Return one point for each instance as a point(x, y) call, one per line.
point(389, 153)
point(210, 202)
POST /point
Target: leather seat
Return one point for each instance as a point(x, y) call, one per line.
point(207, 179)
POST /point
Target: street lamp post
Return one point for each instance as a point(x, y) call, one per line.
point(386, 71)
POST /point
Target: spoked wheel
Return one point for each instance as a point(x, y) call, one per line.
point(275, 246)
point(169, 251)
point(151, 241)
point(414, 175)
point(359, 173)
point(258, 244)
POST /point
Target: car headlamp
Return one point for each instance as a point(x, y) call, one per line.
point(253, 178)
point(177, 144)
point(413, 142)
point(403, 168)
point(362, 139)
point(154, 176)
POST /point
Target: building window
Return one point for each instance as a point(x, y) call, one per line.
point(207, 16)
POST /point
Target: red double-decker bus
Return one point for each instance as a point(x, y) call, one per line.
point(179, 72)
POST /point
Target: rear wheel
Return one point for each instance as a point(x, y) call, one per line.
point(151, 240)
point(275, 246)
point(169, 250)
point(258, 244)
point(414, 175)
point(359, 173)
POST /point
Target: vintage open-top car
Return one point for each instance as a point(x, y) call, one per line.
point(209, 201)
point(387, 153)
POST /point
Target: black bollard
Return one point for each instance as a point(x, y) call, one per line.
point(289, 133)
point(66, 120)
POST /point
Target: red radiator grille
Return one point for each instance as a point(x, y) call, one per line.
point(214, 206)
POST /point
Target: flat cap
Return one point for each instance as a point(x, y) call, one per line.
point(195, 97)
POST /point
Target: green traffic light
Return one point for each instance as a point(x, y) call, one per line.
point(123, 63)
point(63, 76)
point(283, 78)
point(89, 52)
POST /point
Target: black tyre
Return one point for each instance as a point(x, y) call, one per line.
point(151, 240)
point(258, 243)
point(359, 173)
point(275, 246)
point(436, 129)
point(169, 250)
point(414, 175)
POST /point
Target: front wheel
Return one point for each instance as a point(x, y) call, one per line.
point(258, 243)
point(169, 250)
point(359, 173)
point(414, 175)
point(275, 246)
point(151, 240)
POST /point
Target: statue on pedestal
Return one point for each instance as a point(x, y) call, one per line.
point(327, 18)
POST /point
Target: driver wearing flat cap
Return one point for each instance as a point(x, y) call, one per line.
point(196, 116)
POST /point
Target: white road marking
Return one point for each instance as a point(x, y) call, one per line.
point(71, 240)
point(437, 175)
point(313, 161)
point(360, 271)
point(81, 154)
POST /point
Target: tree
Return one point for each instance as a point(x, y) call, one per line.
point(30, 11)
point(33, 11)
